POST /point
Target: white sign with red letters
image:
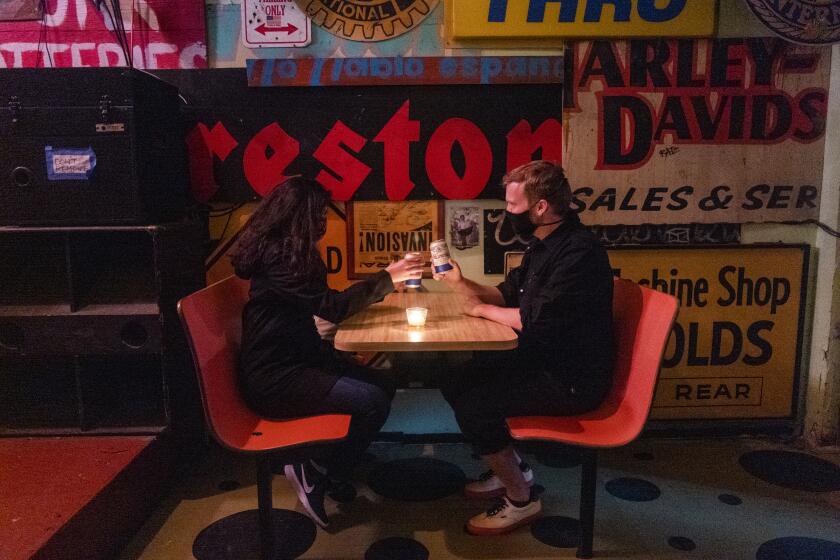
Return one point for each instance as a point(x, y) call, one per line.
point(274, 23)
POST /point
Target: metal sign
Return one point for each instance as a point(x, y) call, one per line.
point(368, 20)
point(736, 348)
point(274, 23)
point(695, 130)
point(812, 22)
point(538, 19)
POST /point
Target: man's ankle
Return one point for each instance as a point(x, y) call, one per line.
point(519, 503)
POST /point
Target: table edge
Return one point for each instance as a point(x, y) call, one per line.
point(408, 346)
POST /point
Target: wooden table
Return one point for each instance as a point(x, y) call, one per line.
point(382, 327)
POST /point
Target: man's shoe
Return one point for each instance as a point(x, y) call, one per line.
point(504, 517)
point(488, 484)
point(310, 486)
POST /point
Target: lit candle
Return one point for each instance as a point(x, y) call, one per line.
point(416, 316)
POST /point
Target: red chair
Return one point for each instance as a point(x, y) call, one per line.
point(642, 320)
point(212, 319)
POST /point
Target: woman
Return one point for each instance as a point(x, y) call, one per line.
point(285, 369)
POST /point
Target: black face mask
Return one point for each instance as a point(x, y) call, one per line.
point(521, 222)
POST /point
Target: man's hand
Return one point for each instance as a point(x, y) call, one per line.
point(451, 277)
point(472, 306)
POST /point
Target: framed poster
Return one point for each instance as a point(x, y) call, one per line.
point(377, 232)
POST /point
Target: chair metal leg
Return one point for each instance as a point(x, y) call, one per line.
point(264, 477)
point(588, 477)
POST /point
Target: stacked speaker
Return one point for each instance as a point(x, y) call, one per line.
point(95, 251)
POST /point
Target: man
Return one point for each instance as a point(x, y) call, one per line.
point(560, 301)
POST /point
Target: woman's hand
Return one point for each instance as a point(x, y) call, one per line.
point(451, 277)
point(405, 269)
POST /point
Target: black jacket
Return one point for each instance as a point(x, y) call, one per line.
point(564, 290)
point(279, 339)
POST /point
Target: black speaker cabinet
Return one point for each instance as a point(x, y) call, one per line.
point(90, 146)
point(89, 337)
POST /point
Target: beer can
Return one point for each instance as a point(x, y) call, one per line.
point(413, 282)
point(440, 256)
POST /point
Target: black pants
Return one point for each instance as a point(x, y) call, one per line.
point(496, 385)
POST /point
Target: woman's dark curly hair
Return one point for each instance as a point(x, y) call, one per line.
point(285, 228)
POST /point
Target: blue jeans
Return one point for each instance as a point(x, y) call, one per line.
point(365, 394)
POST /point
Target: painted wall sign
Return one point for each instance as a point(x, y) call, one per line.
point(809, 22)
point(379, 232)
point(680, 131)
point(333, 248)
point(160, 33)
point(20, 10)
point(367, 20)
point(544, 19)
point(274, 23)
point(736, 347)
point(365, 143)
point(499, 238)
point(399, 70)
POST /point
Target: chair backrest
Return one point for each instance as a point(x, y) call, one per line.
point(642, 319)
point(212, 319)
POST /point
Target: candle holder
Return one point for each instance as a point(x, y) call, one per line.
point(416, 316)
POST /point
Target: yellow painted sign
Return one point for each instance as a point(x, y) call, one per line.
point(333, 249)
point(736, 347)
point(545, 19)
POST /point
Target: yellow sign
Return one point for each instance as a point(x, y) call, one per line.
point(367, 20)
point(378, 232)
point(736, 347)
point(544, 19)
point(333, 249)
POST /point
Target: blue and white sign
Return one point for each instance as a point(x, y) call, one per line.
point(70, 164)
point(274, 23)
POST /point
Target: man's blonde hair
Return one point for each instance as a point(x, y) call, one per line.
point(543, 180)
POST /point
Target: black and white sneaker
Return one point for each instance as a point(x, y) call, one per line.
point(310, 486)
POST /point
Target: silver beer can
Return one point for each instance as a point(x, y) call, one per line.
point(440, 256)
point(413, 282)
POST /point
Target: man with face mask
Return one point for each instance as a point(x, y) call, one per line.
point(560, 301)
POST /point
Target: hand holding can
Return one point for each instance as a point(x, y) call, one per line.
point(414, 282)
point(405, 270)
point(440, 257)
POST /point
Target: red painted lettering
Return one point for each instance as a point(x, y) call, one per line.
point(396, 136)
point(202, 145)
point(264, 171)
point(346, 173)
point(478, 158)
point(522, 142)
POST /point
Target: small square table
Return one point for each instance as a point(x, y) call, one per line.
point(383, 327)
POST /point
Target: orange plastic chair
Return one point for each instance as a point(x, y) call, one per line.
point(212, 319)
point(642, 319)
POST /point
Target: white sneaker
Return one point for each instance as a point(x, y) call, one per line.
point(488, 484)
point(504, 517)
